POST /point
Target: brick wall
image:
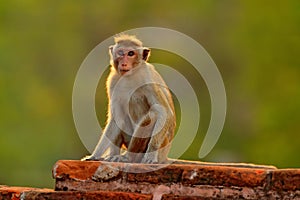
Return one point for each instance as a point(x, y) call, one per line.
point(179, 180)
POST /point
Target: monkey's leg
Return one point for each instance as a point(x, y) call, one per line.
point(162, 133)
point(158, 149)
point(137, 149)
point(148, 137)
point(140, 138)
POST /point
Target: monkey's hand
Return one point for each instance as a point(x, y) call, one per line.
point(91, 158)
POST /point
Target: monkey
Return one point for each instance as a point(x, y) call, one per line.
point(141, 116)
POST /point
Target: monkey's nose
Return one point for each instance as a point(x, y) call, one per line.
point(124, 65)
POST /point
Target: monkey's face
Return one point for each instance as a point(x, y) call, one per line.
point(126, 59)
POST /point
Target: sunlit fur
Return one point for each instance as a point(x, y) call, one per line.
point(142, 120)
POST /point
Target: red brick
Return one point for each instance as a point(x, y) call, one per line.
point(14, 193)
point(79, 195)
point(167, 174)
point(180, 180)
point(224, 176)
point(74, 169)
point(286, 179)
point(178, 197)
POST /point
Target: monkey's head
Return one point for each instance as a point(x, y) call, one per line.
point(127, 53)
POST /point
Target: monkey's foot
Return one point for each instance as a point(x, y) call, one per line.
point(151, 158)
point(117, 158)
point(149, 161)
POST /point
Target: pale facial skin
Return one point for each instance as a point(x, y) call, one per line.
point(126, 59)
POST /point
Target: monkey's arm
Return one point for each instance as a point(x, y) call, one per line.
point(110, 139)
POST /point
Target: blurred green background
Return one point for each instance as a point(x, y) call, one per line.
point(255, 45)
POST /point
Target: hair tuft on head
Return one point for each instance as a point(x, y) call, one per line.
point(128, 40)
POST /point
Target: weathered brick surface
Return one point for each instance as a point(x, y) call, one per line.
point(167, 174)
point(70, 169)
point(224, 176)
point(27, 193)
point(15, 193)
point(179, 181)
point(286, 179)
point(187, 174)
point(36, 195)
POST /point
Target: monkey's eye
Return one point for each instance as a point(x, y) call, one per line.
point(130, 53)
point(120, 53)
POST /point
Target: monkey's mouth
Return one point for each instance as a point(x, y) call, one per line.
point(123, 71)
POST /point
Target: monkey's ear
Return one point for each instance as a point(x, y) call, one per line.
point(146, 54)
point(113, 61)
point(111, 48)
